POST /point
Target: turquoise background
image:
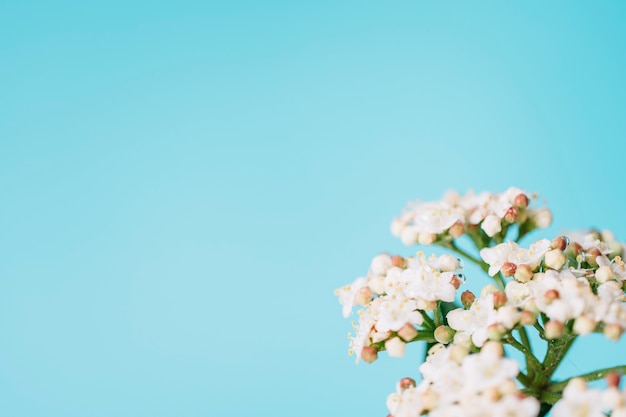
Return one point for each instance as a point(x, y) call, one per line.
point(184, 184)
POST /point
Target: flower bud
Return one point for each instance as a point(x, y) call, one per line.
point(523, 273)
point(555, 259)
point(455, 281)
point(511, 214)
point(574, 249)
point(496, 331)
point(613, 379)
point(457, 230)
point(521, 201)
point(407, 332)
point(499, 299)
point(528, 318)
point(408, 236)
point(551, 295)
point(406, 383)
point(363, 296)
point(467, 298)
point(542, 218)
point(613, 331)
point(584, 325)
point(369, 354)
point(553, 329)
point(398, 261)
point(591, 254)
point(491, 225)
point(559, 243)
point(508, 269)
point(444, 334)
point(426, 238)
point(395, 347)
point(604, 274)
point(493, 349)
point(448, 263)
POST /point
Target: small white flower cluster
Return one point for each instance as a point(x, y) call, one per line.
point(458, 384)
point(454, 215)
point(580, 400)
point(590, 293)
point(395, 294)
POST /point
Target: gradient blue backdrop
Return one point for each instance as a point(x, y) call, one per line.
point(183, 184)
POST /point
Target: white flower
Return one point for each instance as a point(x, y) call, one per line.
point(474, 321)
point(491, 225)
point(348, 293)
point(531, 256)
point(436, 217)
point(497, 256)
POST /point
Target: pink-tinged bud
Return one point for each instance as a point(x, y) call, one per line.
point(604, 274)
point(554, 259)
point(521, 201)
point(467, 298)
point(395, 347)
point(584, 325)
point(523, 273)
point(455, 281)
point(574, 249)
point(591, 254)
point(551, 295)
point(613, 379)
point(613, 331)
point(406, 383)
point(528, 318)
point(407, 332)
point(499, 299)
point(369, 354)
point(559, 243)
point(363, 296)
point(508, 269)
point(553, 329)
point(444, 334)
point(398, 261)
point(511, 214)
point(425, 238)
point(456, 230)
point(495, 331)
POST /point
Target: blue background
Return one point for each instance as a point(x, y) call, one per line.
point(183, 184)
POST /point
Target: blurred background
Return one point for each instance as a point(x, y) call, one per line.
point(184, 184)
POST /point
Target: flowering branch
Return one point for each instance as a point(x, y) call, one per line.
point(560, 290)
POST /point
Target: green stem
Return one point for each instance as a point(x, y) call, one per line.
point(590, 376)
point(531, 361)
point(526, 343)
point(430, 324)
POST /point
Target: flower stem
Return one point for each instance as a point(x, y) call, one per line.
point(590, 376)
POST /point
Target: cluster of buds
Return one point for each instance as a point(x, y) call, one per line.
point(459, 383)
point(394, 298)
point(586, 297)
point(476, 215)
